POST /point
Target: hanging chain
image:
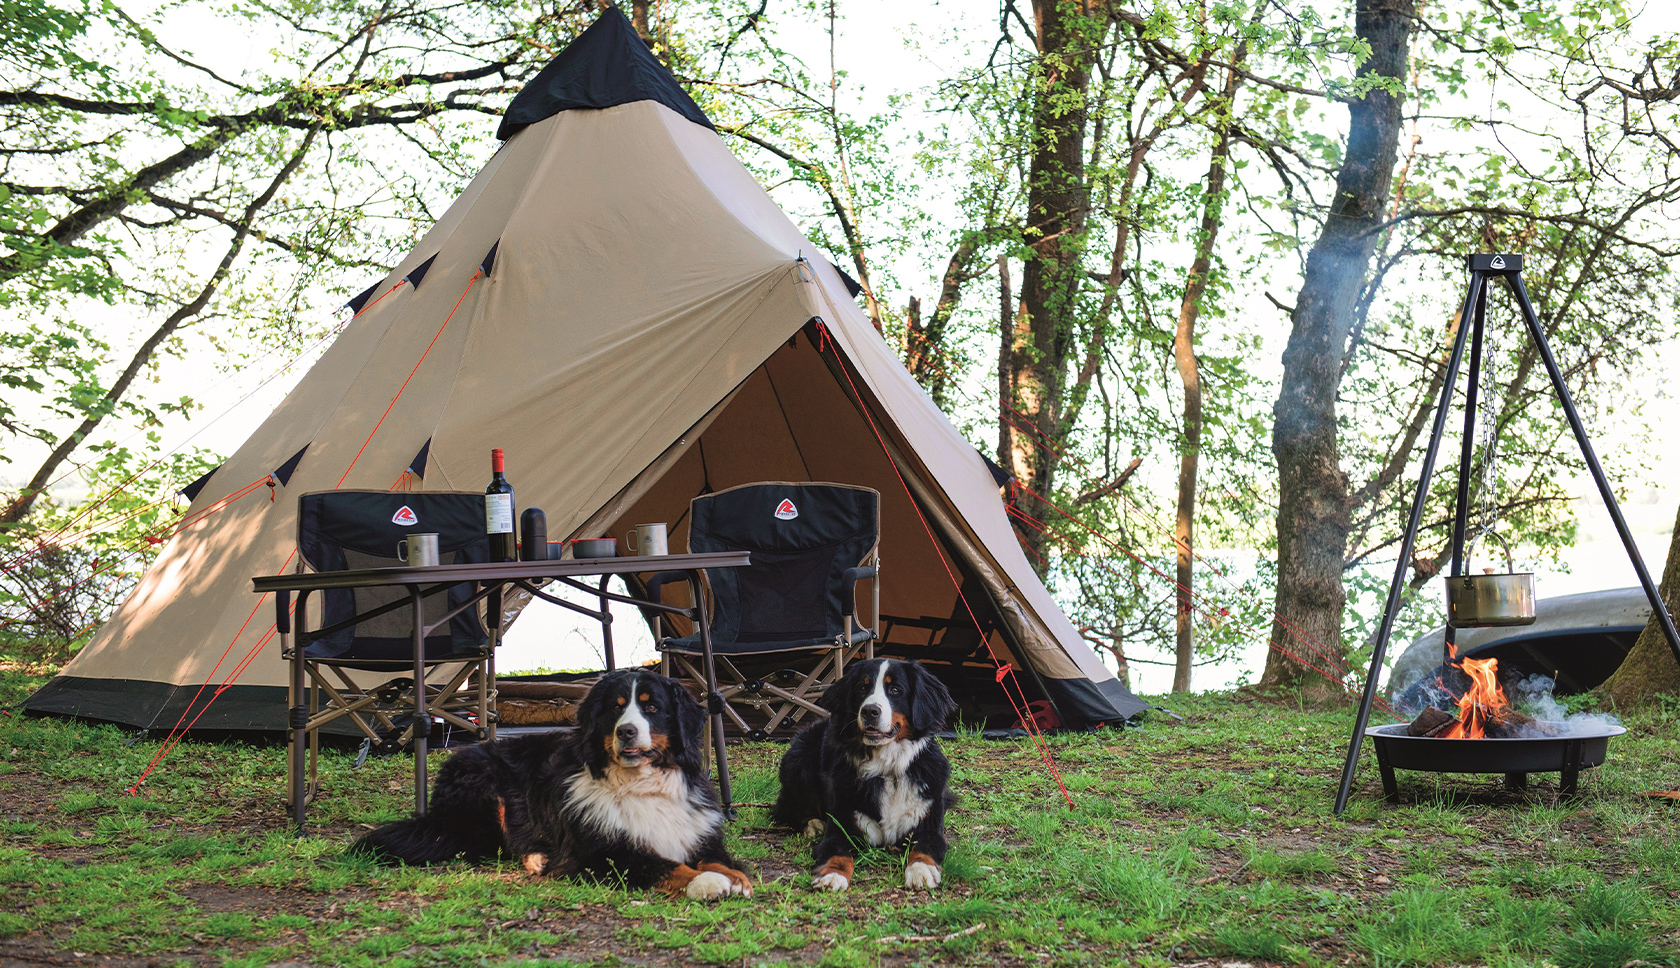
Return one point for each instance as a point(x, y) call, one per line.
point(1489, 419)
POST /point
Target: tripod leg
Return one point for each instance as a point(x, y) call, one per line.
point(1467, 453)
point(1658, 610)
point(1478, 284)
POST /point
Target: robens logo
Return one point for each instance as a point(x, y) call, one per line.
point(404, 516)
point(786, 511)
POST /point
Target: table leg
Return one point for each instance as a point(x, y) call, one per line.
point(712, 700)
point(422, 720)
point(493, 612)
point(606, 625)
point(299, 710)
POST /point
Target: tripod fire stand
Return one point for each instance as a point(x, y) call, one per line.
point(1483, 270)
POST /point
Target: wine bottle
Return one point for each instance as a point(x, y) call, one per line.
point(498, 512)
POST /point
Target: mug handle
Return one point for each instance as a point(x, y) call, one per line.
point(630, 539)
point(402, 550)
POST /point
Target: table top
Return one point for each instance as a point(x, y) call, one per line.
point(496, 570)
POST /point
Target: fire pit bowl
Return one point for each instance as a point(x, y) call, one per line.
point(1567, 755)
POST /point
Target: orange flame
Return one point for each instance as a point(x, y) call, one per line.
point(1482, 703)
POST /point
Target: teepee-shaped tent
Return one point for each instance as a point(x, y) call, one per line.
point(619, 305)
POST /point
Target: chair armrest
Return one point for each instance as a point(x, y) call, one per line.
point(283, 612)
point(848, 586)
point(660, 580)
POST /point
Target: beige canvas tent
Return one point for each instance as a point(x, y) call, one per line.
point(616, 303)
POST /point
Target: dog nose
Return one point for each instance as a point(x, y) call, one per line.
point(627, 733)
point(871, 712)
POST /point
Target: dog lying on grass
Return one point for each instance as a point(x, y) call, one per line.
point(623, 795)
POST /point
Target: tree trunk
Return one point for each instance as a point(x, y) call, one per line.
point(1649, 670)
point(1189, 374)
point(1312, 521)
point(1006, 341)
point(1056, 217)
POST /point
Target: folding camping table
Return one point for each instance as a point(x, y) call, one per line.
point(492, 578)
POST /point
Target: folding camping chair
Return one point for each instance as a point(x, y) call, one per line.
point(784, 627)
point(363, 673)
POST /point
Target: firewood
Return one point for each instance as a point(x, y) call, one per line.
point(1429, 722)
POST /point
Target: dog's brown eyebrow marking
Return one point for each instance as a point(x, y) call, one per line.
point(642, 698)
point(887, 678)
point(623, 700)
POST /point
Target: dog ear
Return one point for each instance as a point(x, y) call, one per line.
point(690, 719)
point(589, 716)
point(837, 698)
point(930, 702)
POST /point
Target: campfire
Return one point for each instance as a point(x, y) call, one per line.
point(1484, 712)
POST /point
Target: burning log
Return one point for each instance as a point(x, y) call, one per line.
point(1430, 722)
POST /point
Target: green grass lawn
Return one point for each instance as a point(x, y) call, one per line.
point(1203, 840)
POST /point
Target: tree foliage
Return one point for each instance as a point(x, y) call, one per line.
point(1084, 187)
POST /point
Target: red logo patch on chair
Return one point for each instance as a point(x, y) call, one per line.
point(404, 516)
point(786, 511)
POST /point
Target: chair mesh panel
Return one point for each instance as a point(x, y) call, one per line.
point(792, 590)
point(349, 530)
point(784, 597)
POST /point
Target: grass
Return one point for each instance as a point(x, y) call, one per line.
point(1207, 839)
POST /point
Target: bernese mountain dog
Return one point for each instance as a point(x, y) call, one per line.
point(871, 774)
point(622, 796)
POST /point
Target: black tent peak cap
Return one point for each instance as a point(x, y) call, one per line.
point(191, 491)
point(417, 466)
point(284, 472)
point(607, 65)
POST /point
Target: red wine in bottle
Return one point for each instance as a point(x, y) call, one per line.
point(498, 512)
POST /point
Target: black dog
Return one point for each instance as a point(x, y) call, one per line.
point(621, 795)
point(870, 774)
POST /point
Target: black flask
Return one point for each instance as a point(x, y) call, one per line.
point(533, 535)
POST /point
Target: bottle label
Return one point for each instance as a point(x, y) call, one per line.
point(498, 513)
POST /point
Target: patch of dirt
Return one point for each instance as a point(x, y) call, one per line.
point(31, 952)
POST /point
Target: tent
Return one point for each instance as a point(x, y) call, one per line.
point(615, 302)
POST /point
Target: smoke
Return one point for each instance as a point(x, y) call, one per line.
point(1532, 696)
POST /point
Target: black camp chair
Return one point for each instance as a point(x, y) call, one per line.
point(363, 673)
point(784, 627)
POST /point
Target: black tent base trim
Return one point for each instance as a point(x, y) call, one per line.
point(255, 713)
point(250, 712)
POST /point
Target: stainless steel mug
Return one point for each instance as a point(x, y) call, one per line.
point(648, 539)
point(418, 550)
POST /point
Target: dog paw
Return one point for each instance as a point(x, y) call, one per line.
point(921, 877)
point(710, 885)
point(535, 864)
point(832, 881)
point(739, 883)
point(813, 828)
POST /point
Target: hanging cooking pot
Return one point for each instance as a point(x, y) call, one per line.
point(1490, 600)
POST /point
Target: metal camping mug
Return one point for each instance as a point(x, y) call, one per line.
point(418, 550)
point(648, 539)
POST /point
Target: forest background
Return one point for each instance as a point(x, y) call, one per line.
point(1188, 271)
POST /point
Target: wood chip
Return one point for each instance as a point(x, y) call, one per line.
point(907, 938)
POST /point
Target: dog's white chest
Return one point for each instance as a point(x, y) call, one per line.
point(902, 805)
point(902, 808)
point(649, 807)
